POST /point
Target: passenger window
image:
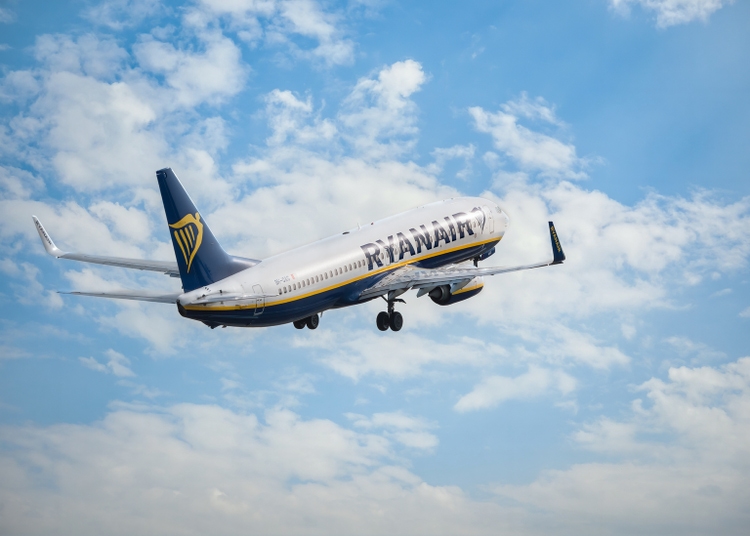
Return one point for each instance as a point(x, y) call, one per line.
point(326, 276)
point(279, 291)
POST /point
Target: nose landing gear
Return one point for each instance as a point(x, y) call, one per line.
point(391, 319)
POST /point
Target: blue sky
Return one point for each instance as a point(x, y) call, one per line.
point(607, 395)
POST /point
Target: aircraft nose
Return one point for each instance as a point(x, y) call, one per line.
point(503, 217)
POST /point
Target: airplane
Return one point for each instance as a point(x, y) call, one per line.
point(434, 249)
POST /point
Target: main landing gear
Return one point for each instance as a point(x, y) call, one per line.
point(311, 322)
point(391, 319)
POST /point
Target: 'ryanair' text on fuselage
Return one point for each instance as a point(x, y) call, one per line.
point(449, 230)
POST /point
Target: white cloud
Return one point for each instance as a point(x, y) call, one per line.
point(88, 55)
point(745, 313)
point(287, 117)
point(531, 151)
point(681, 465)
point(304, 17)
point(117, 364)
point(160, 326)
point(99, 134)
point(210, 76)
point(443, 155)
point(379, 116)
point(18, 86)
point(190, 468)
point(683, 461)
point(6, 15)
point(281, 23)
point(120, 14)
point(18, 183)
point(698, 350)
point(360, 353)
point(407, 430)
point(673, 12)
point(26, 286)
point(494, 390)
point(100, 120)
point(622, 259)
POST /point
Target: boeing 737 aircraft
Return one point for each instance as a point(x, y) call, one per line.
point(434, 249)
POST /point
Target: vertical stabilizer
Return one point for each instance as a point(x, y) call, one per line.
point(201, 259)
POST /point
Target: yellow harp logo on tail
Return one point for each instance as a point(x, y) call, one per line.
point(188, 235)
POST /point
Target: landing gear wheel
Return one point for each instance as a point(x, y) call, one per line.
point(383, 321)
point(299, 324)
point(397, 321)
point(313, 321)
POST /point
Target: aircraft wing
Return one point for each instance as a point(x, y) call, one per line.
point(166, 267)
point(457, 277)
point(138, 295)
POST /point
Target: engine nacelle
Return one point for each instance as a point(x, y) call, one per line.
point(442, 295)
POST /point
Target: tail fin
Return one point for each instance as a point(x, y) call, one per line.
point(200, 258)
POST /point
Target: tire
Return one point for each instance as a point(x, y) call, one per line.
point(313, 321)
point(299, 324)
point(397, 321)
point(383, 321)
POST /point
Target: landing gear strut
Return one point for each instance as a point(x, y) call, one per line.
point(391, 319)
point(311, 322)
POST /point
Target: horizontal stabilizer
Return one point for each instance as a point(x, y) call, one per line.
point(166, 267)
point(137, 295)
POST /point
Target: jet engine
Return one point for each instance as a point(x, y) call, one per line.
point(443, 295)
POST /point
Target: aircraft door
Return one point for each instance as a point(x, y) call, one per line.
point(488, 218)
point(260, 302)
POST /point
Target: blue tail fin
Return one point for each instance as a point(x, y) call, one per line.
point(201, 259)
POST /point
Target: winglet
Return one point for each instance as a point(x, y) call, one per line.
point(49, 245)
point(557, 250)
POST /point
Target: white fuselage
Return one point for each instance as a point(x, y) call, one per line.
point(333, 272)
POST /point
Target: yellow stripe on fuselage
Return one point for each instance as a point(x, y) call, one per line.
point(342, 284)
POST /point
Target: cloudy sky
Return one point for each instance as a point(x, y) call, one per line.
point(610, 395)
